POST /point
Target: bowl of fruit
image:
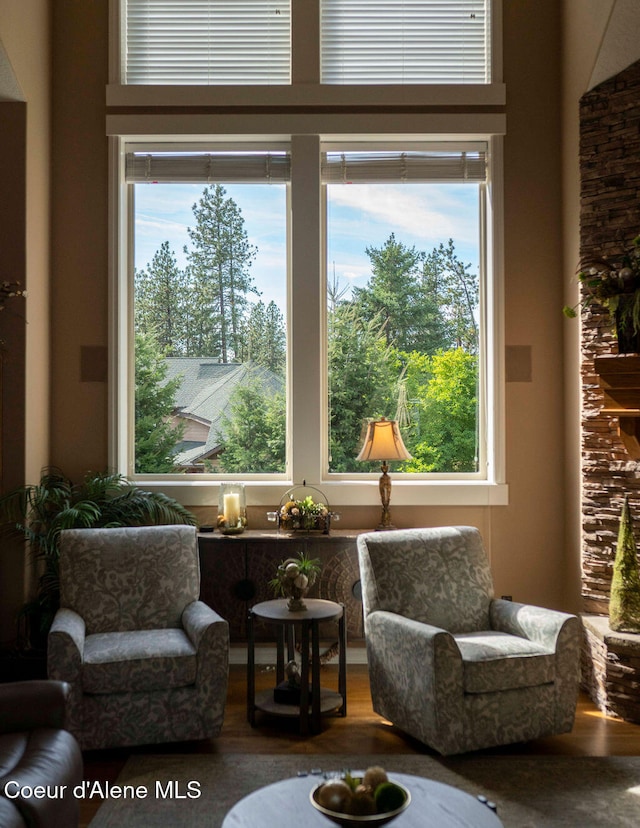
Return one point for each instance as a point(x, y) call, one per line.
point(357, 799)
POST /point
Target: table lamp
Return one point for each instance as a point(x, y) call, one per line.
point(383, 441)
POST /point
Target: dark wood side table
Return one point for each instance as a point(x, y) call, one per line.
point(322, 701)
point(433, 805)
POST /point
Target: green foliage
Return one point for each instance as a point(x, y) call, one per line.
point(155, 436)
point(161, 302)
point(442, 433)
point(455, 290)
point(363, 375)
point(219, 263)
point(254, 436)
point(624, 601)
point(265, 339)
point(43, 510)
point(398, 297)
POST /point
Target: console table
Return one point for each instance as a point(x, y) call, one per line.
point(236, 570)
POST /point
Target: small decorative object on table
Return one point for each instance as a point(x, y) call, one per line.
point(301, 511)
point(614, 283)
point(293, 579)
point(232, 509)
point(355, 800)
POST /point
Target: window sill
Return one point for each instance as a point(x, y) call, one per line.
point(344, 493)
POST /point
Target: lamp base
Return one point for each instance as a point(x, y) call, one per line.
point(381, 528)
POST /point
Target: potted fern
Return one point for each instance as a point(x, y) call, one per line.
point(42, 510)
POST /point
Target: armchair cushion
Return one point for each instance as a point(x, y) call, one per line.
point(495, 661)
point(138, 661)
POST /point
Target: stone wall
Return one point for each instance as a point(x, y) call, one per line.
point(609, 220)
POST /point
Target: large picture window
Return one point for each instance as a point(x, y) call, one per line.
point(403, 235)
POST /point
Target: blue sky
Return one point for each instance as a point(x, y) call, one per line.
point(359, 216)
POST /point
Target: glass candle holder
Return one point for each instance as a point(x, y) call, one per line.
point(232, 509)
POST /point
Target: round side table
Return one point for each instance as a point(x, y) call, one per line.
point(315, 701)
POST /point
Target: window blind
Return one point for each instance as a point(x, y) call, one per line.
point(201, 42)
point(405, 41)
point(200, 167)
point(448, 166)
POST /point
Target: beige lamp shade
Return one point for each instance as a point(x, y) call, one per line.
point(383, 441)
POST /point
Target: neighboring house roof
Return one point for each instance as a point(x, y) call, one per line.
point(204, 395)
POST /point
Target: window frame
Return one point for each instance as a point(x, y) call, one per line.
point(306, 88)
point(307, 409)
point(308, 113)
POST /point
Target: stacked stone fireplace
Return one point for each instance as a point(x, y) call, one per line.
point(610, 219)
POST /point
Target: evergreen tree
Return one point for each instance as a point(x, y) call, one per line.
point(219, 263)
point(161, 295)
point(155, 436)
point(398, 296)
point(363, 373)
point(265, 337)
point(253, 433)
point(455, 290)
point(624, 603)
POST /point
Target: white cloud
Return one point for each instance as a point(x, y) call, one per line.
point(430, 215)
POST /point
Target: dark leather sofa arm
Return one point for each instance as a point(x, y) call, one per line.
point(26, 705)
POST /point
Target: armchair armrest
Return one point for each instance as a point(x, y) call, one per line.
point(415, 671)
point(26, 705)
point(209, 634)
point(538, 624)
point(65, 646)
point(198, 619)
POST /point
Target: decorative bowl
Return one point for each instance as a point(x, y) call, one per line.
point(351, 821)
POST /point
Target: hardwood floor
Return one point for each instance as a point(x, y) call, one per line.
point(361, 732)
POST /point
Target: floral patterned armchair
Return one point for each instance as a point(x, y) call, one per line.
point(450, 664)
point(146, 660)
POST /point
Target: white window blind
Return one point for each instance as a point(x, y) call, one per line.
point(445, 166)
point(405, 41)
point(231, 168)
point(207, 42)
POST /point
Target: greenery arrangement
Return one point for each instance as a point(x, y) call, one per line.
point(41, 511)
point(613, 284)
point(303, 514)
point(294, 577)
point(624, 601)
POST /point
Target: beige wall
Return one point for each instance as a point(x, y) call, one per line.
point(533, 542)
point(25, 33)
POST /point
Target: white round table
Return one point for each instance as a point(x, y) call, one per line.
point(433, 805)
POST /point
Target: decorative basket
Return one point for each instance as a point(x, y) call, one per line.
point(304, 508)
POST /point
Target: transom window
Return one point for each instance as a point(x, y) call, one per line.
point(248, 42)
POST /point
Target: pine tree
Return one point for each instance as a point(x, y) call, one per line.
point(219, 263)
point(265, 337)
point(455, 289)
point(624, 601)
point(397, 295)
point(161, 294)
point(155, 437)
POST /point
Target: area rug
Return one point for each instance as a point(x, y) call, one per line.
point(194, 791)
